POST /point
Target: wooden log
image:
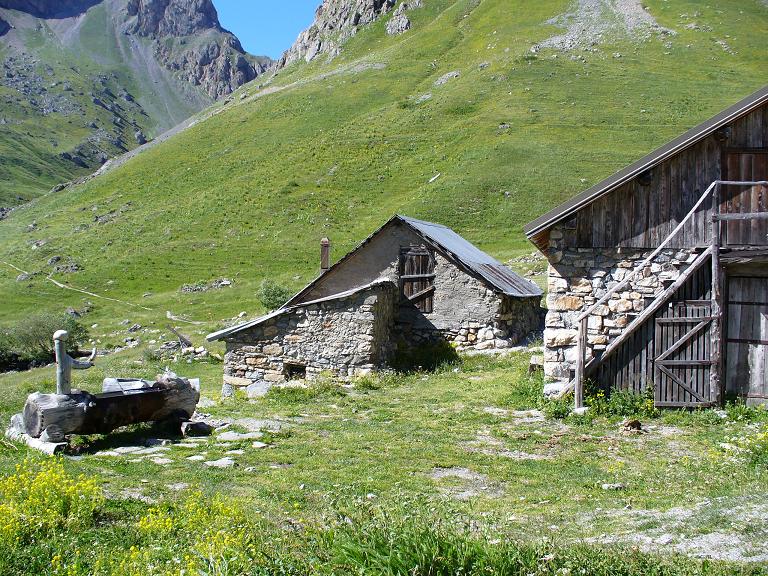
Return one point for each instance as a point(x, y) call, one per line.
point(16, 433)
point(83, 413)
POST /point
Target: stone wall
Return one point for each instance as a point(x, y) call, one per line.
point(577, 278)
point(465, 310)
point(346, 336)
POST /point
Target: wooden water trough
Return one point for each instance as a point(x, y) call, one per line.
point(47, 419)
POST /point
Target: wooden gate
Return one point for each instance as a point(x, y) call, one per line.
point(746, 373)
point(682, 355)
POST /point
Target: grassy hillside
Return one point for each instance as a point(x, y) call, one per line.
point(336, 148)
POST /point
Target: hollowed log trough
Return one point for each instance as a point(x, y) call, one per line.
point(51, 417)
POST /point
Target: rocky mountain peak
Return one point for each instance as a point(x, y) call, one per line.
point(172, 17)
point(336, 21)
point(49, 8)
point(200, 51)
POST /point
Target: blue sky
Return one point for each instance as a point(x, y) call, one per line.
point(266, 27)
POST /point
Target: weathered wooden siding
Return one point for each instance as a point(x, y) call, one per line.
point(746, 359)
point(631, 367)
point(642, 216)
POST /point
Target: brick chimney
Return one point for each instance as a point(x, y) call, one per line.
point(325, 255)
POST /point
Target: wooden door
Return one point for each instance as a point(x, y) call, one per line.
point(417, 277)
point(749, 165)
point(682, 355)
point(746, 355)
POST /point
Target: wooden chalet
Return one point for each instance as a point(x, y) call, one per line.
point(658, 276)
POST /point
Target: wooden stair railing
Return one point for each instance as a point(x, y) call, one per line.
point(583, 367)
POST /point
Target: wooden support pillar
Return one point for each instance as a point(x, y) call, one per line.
point(715, 378)
point(581, 351)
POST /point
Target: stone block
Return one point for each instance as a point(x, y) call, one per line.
point(562, 337)
point(567, 303)
point(581, 286)
point(620, 305)
point(270, 331)
point(273, 349)
point(554, 320)
point(237, 382)
point(601, 310)
point(258, 389)
point(273, 377)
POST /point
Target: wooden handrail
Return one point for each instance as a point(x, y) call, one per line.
point(713, 250)
point(648, 260)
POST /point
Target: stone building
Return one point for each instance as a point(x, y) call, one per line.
point(410, 283)
point(657, 275)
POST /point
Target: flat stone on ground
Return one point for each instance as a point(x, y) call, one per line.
point(225, 462)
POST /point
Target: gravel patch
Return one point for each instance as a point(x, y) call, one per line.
point(589, 22)
point(471, 483)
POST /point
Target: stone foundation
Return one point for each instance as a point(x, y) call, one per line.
point(346, 336)
point(578, 278)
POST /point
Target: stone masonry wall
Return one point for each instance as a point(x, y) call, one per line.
point(579, 277)
point(347, 336)
point(465, 310)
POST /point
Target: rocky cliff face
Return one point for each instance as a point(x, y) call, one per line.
point(213, 59)
point(336, 21)
point(49, 8)
point(121, 71)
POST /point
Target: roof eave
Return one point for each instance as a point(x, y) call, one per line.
point(621, 177)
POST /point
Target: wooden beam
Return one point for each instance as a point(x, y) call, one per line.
point(578, 395)
point(421, 294)
point(742, 216)
point(715, 382)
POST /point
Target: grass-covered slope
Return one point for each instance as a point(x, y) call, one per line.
point(334, 148)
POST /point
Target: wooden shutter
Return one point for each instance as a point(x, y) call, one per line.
point(417, 277)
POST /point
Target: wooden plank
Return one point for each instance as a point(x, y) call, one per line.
point(715, 383)
point(686, 362)
point(684, 319)
point(580, 356)
point(682, 384)
point(681, 341)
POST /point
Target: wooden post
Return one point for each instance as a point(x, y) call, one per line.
point(715, 382)
point(581, 351)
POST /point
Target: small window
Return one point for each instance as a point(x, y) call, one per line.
point(417, 277)
point(294, 371)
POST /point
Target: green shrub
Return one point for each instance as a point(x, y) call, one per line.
point(32, 338)
point(621, 403)
point(558, 408)
point(272, 295)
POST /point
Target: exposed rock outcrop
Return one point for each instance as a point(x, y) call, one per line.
point(213, 59)
point(49, 8)
point(336, 21)
point(172, 17)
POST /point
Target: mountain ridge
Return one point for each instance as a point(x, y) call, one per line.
point(84, 80)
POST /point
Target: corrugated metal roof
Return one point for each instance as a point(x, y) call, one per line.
point(251, 323)
point(491, 270)
point(654, 158)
